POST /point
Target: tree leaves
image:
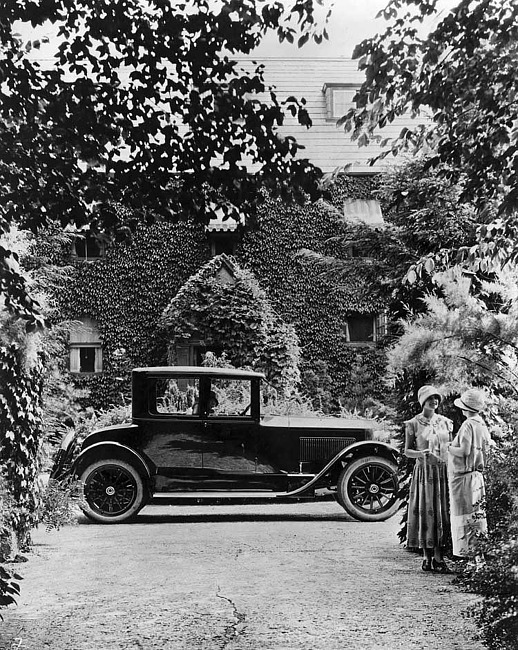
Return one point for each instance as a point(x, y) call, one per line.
point(141, 108)
point(461, 74)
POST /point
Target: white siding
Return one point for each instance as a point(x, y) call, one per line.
point(326, 145)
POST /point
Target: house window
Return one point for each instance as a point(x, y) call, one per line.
point(87, 248)
point(85, 347)
point(222, 243)
point(362, 329)
point(339, 99)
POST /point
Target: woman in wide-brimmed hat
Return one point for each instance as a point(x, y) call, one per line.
point(427, 436)
point(467, 457)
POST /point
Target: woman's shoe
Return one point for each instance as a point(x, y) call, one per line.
point(426, 565)
point(440, 567)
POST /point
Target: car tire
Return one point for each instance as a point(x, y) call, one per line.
point(113, 491)
point(367, 488)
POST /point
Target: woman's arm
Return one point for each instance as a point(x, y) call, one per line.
point(410, 450)
point(463, 438)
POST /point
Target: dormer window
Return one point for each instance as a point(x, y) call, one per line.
point(222, 243)
point(223, 234)
point(339, 99)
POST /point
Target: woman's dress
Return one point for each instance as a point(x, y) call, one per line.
point(428, 522)
point(467, 487)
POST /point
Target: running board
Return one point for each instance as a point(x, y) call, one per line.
point(243, 496)
point(256, 494)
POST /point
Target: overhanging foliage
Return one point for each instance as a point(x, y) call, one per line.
point(457, 69)
point(142, 96)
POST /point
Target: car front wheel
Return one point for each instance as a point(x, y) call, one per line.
point(113, 491)
point(367, 489)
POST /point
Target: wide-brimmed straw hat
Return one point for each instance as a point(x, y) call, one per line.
point(471, 400)
point(427, 391)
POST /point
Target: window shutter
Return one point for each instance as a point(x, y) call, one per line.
point(381, 325)
point(98, 364)
point(74, 359)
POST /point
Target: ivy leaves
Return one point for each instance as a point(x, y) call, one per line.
point(20, 422)
point(225, 306)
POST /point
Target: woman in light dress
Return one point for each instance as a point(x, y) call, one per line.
point(427, 436)
point(467, 459)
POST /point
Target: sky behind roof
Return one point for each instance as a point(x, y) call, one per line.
point(351, 22)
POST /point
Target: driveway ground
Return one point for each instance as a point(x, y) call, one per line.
point(242, 577)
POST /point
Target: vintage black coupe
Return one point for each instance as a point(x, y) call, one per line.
point(200, 434)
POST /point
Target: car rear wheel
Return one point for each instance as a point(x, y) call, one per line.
point(113, 491)
point(367, 489)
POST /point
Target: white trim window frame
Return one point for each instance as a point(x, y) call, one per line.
point(85, 347)
point(86, 358)
point(339, 99)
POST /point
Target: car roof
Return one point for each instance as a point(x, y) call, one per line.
point(201, 371)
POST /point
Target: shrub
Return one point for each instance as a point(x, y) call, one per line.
point(9, 587)
point(59, 503)
point(493, 574)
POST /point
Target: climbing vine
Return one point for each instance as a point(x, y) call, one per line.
point(20, 428)
point(305, 298)
point(235, 312)
point(127, 291)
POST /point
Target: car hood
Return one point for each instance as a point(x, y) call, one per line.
point(297, 422)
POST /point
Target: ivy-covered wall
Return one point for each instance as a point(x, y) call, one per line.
point(127, 291)
point(303, 297)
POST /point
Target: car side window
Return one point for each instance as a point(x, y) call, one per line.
point(179, 396)
point(230, 397)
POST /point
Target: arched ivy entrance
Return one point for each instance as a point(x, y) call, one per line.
point(222, 308)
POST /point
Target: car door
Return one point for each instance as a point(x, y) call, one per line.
point(173, 433)
point(230, 440)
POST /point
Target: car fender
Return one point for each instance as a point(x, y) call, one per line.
point(343, 457)
point(367, 448)
point(112, 450)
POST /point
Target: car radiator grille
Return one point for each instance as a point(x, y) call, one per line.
point(322, 448)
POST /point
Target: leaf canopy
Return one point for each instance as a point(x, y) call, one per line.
point(145, 105)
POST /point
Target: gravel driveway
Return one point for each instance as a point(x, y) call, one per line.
point(254, 577)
